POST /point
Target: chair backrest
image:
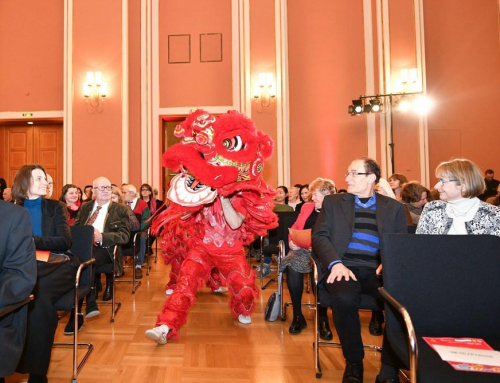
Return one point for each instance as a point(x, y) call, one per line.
point(82, 246)
point(449, 284)
point(286, 219)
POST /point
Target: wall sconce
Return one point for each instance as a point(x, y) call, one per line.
point(264, 91)
point(94, 91)
point(408, 81)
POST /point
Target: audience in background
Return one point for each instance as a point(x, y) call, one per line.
point(491, 185)
point(69, 195)
point(3, 185)
point(80, 195)
point(304, 196)
point(281, 199)
point(50, 188)
point(147, 196)
point(88, 196)
point(7, 195)
point(141, 209)
point(298, 260)
point(50, 233)
point(396, 181)
point(293, 195)
point(414, 196)
point(384, 188)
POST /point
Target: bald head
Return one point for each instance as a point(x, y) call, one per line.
point(7, 195)
point(102, 190)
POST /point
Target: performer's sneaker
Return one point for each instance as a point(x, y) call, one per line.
point(158, 334)
point(221, 290)
point(245, 319)
point(169, 291)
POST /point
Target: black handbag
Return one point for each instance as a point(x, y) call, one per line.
point(273, 306)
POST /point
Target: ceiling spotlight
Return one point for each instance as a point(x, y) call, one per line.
point(375, 106)
point(356, 108)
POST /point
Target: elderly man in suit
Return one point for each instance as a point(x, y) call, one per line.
point(346, 241)
point(111, 227)
point(17, 279)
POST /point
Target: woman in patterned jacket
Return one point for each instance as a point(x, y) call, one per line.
point(459, 211)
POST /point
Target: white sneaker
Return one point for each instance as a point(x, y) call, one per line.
point(245, 319)
point(221, 290)
point(158, 334)
point(169, 291)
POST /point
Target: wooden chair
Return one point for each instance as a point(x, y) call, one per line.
point(440, 286)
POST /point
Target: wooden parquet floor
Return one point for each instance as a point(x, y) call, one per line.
point(213, 346)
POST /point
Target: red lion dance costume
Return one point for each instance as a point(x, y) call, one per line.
point(220, 160)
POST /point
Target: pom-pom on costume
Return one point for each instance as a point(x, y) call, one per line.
point(220, 160)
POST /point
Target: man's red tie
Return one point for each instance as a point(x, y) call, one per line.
point(94, 215)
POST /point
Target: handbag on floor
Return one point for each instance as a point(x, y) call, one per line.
point(273, 306)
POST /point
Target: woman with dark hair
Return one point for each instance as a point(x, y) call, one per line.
point(80, 195)
point(69, 195)
point(281, 199)
point(304, 196)
point(147, 195)
point(397, 181)
point(3, 186)
point(50, 233)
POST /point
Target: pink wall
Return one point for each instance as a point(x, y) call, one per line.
point(263, 59)
point(97, 146)
point(463, 77)
point(403, 56)
point(197, 83)
point(327, 71)
point(31, 55)
point(134, 149)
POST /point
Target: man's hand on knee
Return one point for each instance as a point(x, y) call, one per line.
point(339, 271)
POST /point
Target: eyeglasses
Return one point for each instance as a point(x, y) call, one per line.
point(355, 173)
point(442, 182)
point(102, 188)
point(144, 189)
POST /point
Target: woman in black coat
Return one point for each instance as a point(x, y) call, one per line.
point(51, 233)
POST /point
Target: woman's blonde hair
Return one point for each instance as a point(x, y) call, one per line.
point(465, 173)
point(324, 185)
point(117, 192)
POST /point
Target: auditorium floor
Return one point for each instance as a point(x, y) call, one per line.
point(213, 346)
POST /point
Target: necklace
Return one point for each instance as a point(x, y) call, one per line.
point(459, 214)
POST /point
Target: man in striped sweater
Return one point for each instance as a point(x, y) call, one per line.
point(346, 241)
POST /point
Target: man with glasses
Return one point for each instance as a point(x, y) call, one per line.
point(346, 240)
point(111, 227)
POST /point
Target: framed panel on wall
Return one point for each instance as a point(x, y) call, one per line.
point(179, 49)
point(210, 47)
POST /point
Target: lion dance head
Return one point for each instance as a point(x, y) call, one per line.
point(217, 155)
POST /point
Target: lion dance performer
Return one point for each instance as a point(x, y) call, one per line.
point(219, 202)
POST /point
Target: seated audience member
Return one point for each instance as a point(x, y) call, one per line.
point(154, 204)
point(88, 196)
point(281, 200)
point(459, 211)
point(293, 195)
point(433, 195)
point(414, 197)
point(111, 227)
point(491, 185)
point(51, 232)
point(7, 195)
point(3, 185)
point(50, 188)
point(69, 196)
point(141, 209)
point(304, 196)
point(17, 279)
point(298, 260)
point(384, 188)
point(495, 200)
point(346, 241)
point(397, 181)
point(116, 197)
point(341, 191)
point(80, 195)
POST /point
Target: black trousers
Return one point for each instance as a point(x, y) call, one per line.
point(345, 297)
point(103, 264)
point(42, 317)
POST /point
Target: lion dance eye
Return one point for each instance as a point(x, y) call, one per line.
point(234, 144)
